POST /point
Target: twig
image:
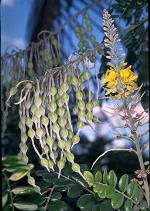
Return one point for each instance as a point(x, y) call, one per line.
point(110, 150)
point(49, 197)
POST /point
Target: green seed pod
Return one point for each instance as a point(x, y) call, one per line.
point(65, 98)
point(80, 125)
point(53, 90)
point(61, 112)
point(27, 104)
point(53, 117)
point(44, 121)
point(81, 105)
point(61, 144)
point(23, 119)
point(37, 101)
point(52, 155)
point(52, 106)
point(28, 85)
point(65, 87)
point(81, 115)
point(83, 36)
point(44, 162)
point(31, 166)
point(50, 164)
point(41, 111)
point(93, 38)
point(25, 158)
point(69, 78)
point(56, 128)
point(31, 181)
point(31, 133)
point(75, 139)
point(29, 122)
point(39, 133)
point(33, 109)
point(13, 91)
point(86, 15)
point(60, 92)
point(88, 22)
point(81, 44)
point(70, 157)
point(61, 163)
point(95, 103)
point(34, 119)
point(89, 28)
point(62, 121)
point(89, 116)
point(89, 106)
point(24, 137)
point(68, 145)
point(60, 102)
point(76, 167)
point(30, 65)
point(55, 146)
point(74, 80)
point(23, 148)
point(64, 133)
point(70, 134)
point(86, 75)
point(46, 149)
point(79, 95)
point(49, 141)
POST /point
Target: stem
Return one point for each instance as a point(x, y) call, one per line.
point(138, 149)
point(49, 197)
point(9, 190)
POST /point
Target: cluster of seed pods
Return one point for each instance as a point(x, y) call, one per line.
point(45, 119)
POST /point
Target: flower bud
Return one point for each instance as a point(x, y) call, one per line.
point(86, 75)
point(52, 106)
point(23, 148)
point(31, 133)
point(61, 163)
point(23, 119)
point(24, 137)
point(79, 95)
point(53, 90)
point(37, 101)
point(60, 102)
point(76, 167)
point(27, 104)
point(53, 117)
point(62, 121)
point(13, 91)
point(33, 109)
point(70, 157)
point(49, 141)
point(31, 181)
point(56, 128)
point(74, 81)
point(44, 162)
point(80, 125)
point(61, 144)
point(65, 98)
point(89, 106)
point(65, 87)
point(25, 158)
point(46, 149)
point(39, 133)
point(75, 139)
point(50, 164)
point(61, 111)
point(81, 105)
point(28, 85)
point(60, 92)
point(29, 122)
point(44, 121)
point(34, 119)
point(68, 145)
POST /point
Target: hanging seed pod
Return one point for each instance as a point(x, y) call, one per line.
point(31, 133)
point(29, 122)
point(68, 145)
point(64, 133)
point(33, 109)
point(60, 92)
point(61, 112)
point(89, 28)
point(50, 164)
point(44, 162)
point(23, 148)
point(53, 156)
point(53, 117)
point(55, 146)
point(89, 106)
point(39, 133)
point(81, 105)
point(62, 121)
point(22, 127)
point(23, 119)
point(95, 103)
point(31, 181)
point(46, 149)
point(13, 91)
point(61, 163)
point(86, 75)
point(61, 144)
point(41, 111)
point(87, 16)
point(52, 106)
point(37, 101)
point(69, 78)
point(60, 102)
point(70, 134)
point(25, 158)
point(53, 91)
point(56, 128)
point(28, 85)
point(81, 115)
point(74, 80)
point(93, 38)
point(75, 139)
point(89, 116)
point(79, 95)
point(65, 98)
point(45, 121)
point(70, 157)
point(64, 87)
point(76, 167)
point(49, 141)
point(80, 125)
point(35, 119)
point(24, 138)
point(27, 104)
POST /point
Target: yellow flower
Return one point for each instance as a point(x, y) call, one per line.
point(127, 76)
point(110, 78)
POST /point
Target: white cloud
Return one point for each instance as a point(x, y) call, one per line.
point(7, 3)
